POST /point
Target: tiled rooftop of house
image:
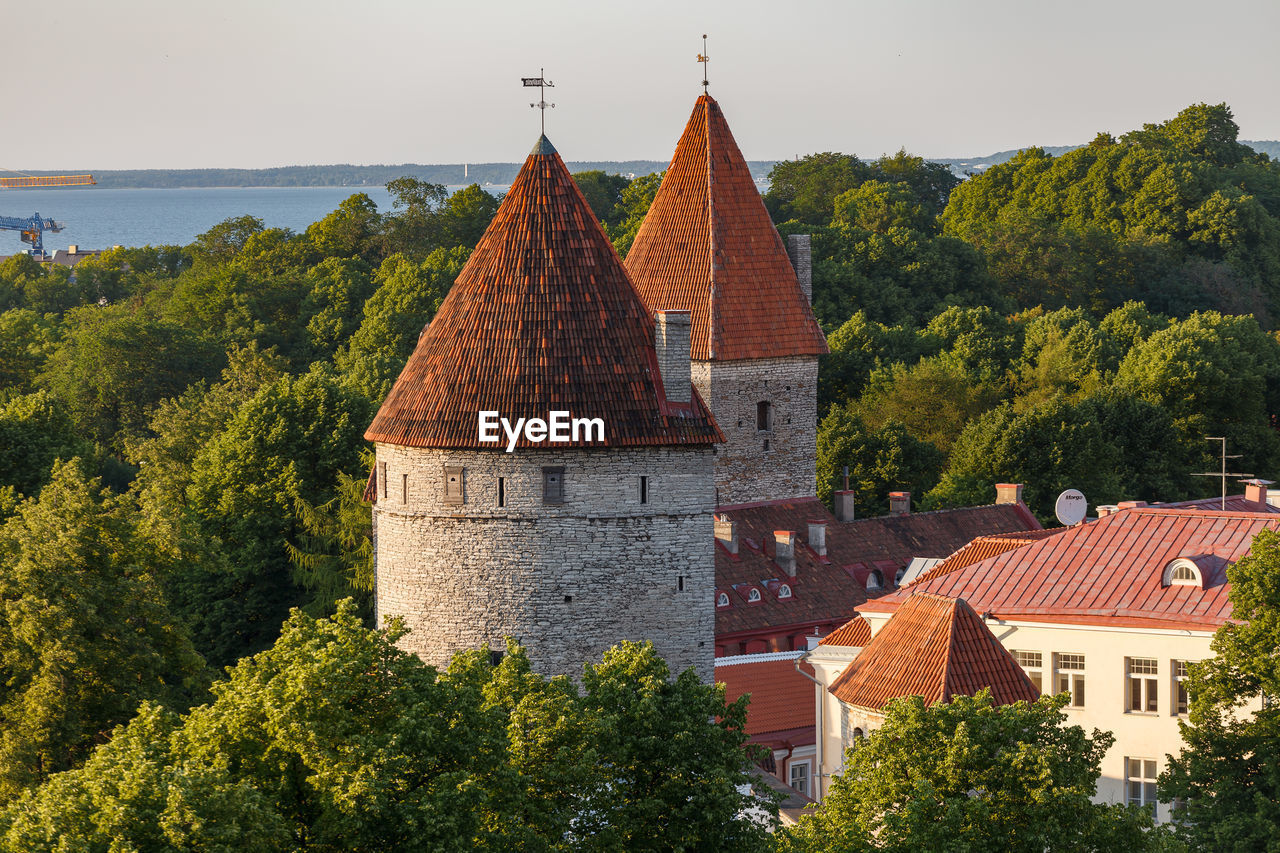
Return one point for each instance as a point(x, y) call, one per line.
point(830, 587)
point(782, 705)
point(985, 547)
point(708, 246)
point(541, 318)
point(855, 632)
point(933, 647)
point(1114, 569)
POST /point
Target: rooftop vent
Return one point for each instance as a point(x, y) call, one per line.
point(818, 537)
point(844, 506)
point(727, 533)
point(899, 503)
point(1008, 493)
point(785, 550)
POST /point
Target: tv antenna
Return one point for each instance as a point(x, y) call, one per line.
point(542, 84)
point(704, 59)
point(1223, 474)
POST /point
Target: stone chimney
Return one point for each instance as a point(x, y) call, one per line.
point(844, 506)
point(800, 248)
point(671, 339)
point(899, 503)
point(1008, 493)
point(1104, 510)
point(784, 550)
point(1130, 505)
point(727, 533)
point(1256, 490)
point(818, 537)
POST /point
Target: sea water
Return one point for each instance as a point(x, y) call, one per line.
point(97, 218)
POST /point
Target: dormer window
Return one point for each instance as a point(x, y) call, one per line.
point(784, 591)
point(875, 580)
point(722, 599)
point(1182, 572)
point(754, 595)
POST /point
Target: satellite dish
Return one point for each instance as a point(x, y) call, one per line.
point(1070, 507)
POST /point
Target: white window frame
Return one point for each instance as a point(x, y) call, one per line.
point(784, 591)
point(1032, 664)
point(805, 764)
point(1070, 678)
point(1140, 789)
point(1141, 685)
point(722, 599)
point(753, 595)
point(1179, 698)
point(875, 580)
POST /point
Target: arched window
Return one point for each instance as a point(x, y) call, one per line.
point(722, 600)
point(1182, 572)
point(858, 734)
point(875, 580)
point(754, 595)
point(784, 591)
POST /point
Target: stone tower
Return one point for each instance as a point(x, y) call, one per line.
point(572, 545)
point(708, 246)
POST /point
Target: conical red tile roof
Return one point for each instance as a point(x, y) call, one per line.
point(708, 246)
point(934, 647)
point(541, 318)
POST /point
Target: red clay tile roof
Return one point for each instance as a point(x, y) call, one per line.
point(985, 547)
point(781, 698)
point(831, 588)
point(541, 318)
point(1235, 503)
point(708, 246)
point(855, 632)
point(933, 647)
point(1108, 572)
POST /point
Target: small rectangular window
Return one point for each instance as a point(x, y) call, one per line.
point(1142, 691)
point(502, 491)
point(382, 477)
point(644, 490)
point(680, 583)
point(553, 484)
point(455, 485)
point(764, 416)
point(404, 488)
point(1070, 677)
point(1140, 782)
point(800, 776)
point(1033, 664)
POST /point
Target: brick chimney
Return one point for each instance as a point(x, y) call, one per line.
point(1008, 493)
point(844, 506)
point(784, 550)
point(671, 339)
point(727, 533)
point(800, 249)
point(818, 537)
point(1130, 505)
point(899, 503)
point(1104, 510)
point(1256, 490)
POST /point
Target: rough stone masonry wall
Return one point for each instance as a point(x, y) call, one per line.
point(745, 471)
point(567, 581)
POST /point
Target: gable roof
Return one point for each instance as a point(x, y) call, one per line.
point(781, 698)
point(985, 547)
point(541, 318)
point(855, 632)
point(933, 647)
point(708, 246)
point(828, 589)
point(1108, 572)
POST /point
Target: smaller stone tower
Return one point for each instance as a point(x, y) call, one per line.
point(708, 246)
point(586, 519)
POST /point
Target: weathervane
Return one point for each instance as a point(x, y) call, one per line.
point(1223, 474)
point(704, 59)
point(542, 83)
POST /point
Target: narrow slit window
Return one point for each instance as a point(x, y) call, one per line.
point(553, 485)
point(764, 416)
point(502, 491)
point(680, 583)
point(382, 477)
point(644, 490)
point(404, 488)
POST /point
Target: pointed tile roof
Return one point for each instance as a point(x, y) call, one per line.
point(708, 246)
point(934, 647)
point(541, 318)
point(855, 632)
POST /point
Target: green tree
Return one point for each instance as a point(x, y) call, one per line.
point(805, 189)
point(856, 348)
point(26, 341)
point(84, 632)
point(933, 399)
point(221, 242)
point(465, 216)
point(603, 193)
point(880, 460)
point(634, 203)
point(35, 430)
point(407, 297)
point(971, 775)
point(350, 231)
point(1228, 774)
point(878, 206)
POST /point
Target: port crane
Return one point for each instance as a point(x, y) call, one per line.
point(33, 227)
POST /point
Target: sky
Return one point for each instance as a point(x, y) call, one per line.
point(131, 84)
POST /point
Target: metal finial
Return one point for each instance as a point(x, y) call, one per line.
point(542, 85)
point(704, 59)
